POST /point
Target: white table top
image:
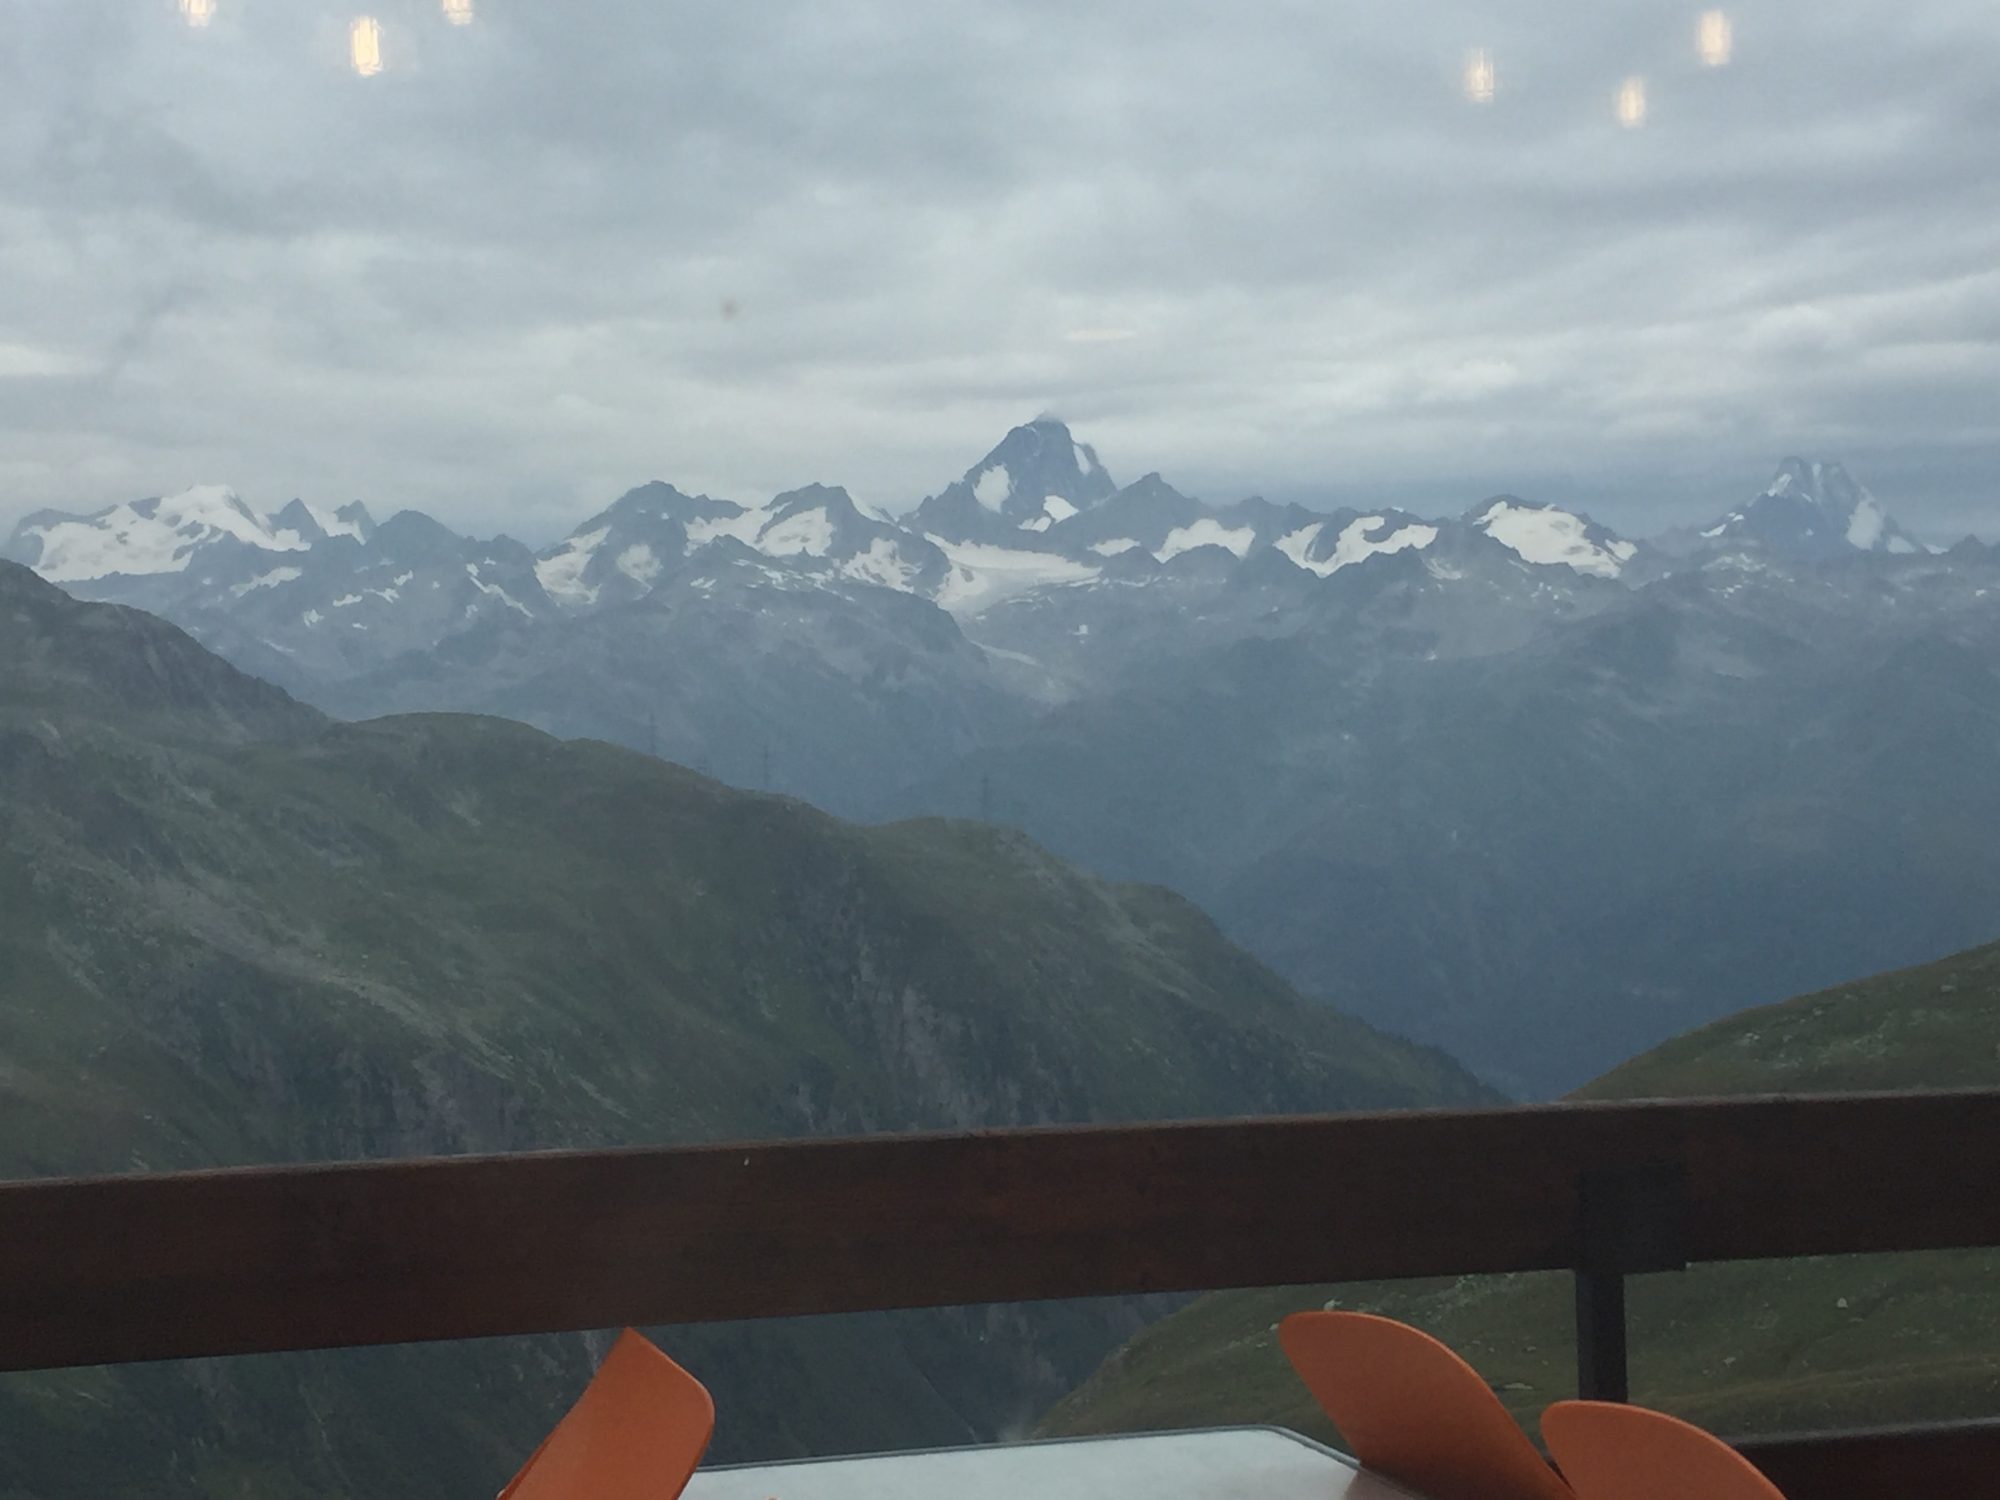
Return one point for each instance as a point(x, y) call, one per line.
point(1223, 1463)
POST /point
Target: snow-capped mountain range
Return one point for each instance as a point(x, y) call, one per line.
point(1043, 578)
point(1038, 514)
point(1459, 771)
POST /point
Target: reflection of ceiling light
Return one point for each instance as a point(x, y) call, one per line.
point(1715, 38)
point(1479, 77)
point(198, 12)
point(364, 45)
point(458, 12)
point(1632, 103)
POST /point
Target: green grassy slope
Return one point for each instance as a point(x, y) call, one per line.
point(232, 931)
point(1747, 1347)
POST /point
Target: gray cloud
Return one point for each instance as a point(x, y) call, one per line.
point(490, 282)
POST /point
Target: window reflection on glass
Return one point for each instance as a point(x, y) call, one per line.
point(365, 46)
point(1715, 38)
point(1632, 103)
point(1480, 77)
point(458, 12)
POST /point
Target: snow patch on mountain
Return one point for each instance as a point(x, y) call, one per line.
point(744, 526)
point(982, 575)
point(1207, 532)
point(1114, 547)
point(1295, 545)
point(1054, 509)
point(883, 565)
point(993, 487)
point(334, 524)
point(495, 591)
point(1546, 535)
point(638, 563)
point(144, 537)
point(1864, 527)
point(268, 580)
point(809, 532)
point(1353, 545)
point(561, 573)
point(1867, 526)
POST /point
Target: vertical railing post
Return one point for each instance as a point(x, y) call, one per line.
point(1629, 1219)
point(1601, 1373)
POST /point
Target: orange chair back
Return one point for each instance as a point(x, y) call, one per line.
point(1410, 1409)
point(1612, 1452)
point(636, 1433)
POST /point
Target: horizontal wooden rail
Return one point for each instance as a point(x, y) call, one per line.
point(1941, 1462)
point(115, 1269)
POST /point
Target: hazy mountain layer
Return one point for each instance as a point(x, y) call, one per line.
point(1496, 777)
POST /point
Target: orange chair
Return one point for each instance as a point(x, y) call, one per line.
point(636, 1433)
point(1412, 1410)
point(1612, 1452)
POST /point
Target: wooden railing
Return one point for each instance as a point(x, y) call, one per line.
point(114, 1269)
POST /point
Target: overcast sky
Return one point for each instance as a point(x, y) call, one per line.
point(1264, 246)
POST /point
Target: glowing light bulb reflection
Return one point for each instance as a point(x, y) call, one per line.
point(1715, 39)
point(364, 46)
point(197, 13)
point(1632, 103)
point(458, 12)
point(1480, 78)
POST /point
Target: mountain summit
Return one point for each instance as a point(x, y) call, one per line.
point(1813, 509)
point(1037, 476)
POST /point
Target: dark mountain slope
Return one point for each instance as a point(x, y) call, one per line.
point(1846, 1341)
point(254, 935)
point(102, 660)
